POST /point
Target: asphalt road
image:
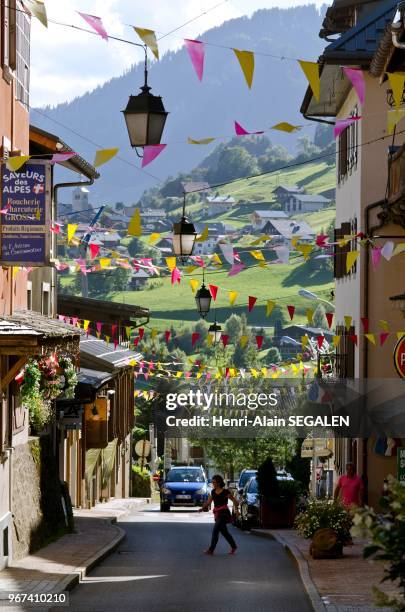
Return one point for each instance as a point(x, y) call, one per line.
point(160, 566)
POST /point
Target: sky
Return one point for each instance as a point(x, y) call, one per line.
point(66, 63)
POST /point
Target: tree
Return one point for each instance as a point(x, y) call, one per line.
point(323, 135)
point(234, 162)
point(319, 319)
point(137, 248)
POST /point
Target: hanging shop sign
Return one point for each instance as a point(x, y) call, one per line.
point(26, 200)
point(399, 357)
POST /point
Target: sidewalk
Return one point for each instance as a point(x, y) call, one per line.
point(60, 565)
point(333, 585)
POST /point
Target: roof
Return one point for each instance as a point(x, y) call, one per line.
point(340, 16)
point(311, 198)
point(355, 47)
point(97, 352)
point(195, 186)
point(314, 331)
point(290, 188)
point(221, 200)
point(271, 214)
point(105, 237)
point(42, 142)
point(87, 308)
point(93, 378)
point(289, 228)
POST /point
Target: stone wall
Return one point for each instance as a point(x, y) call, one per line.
point(38, 514)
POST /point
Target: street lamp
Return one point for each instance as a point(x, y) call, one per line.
point(145, 116)
point(215, 331)
point(203, 299)
point(308, 295)
point(184, 236)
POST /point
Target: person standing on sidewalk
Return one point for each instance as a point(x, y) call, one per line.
point(220, 496)
point(350, 488)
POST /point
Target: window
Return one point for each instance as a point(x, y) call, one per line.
point(22, 55)
point(29, 295)
point(345, 352)
point(46, 299)
point(348, 146)
point(5, 34)
point(340, 251)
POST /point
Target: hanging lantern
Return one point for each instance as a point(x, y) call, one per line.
point(203, 300)
point(145, 116)
point(184, 236)
point(215, 331)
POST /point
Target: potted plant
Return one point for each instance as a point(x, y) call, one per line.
point(328, 524)
point(277, 498)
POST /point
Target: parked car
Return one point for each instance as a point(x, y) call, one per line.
point(249, 502)
point(184, 486)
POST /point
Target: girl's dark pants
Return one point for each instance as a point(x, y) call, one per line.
point(221, 527)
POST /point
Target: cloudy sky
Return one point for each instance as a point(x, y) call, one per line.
point(67, 63)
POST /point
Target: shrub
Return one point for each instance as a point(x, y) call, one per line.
point(141, 486)
point(267, 480)
point(387, 534)
point(321, 514)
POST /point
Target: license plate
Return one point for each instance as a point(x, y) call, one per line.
point(183, 496)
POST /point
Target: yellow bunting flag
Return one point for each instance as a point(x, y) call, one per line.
point(194, 284)
point(393, 117)
point(154, 237)
point(244, 341)
point(294, 368)
point(153, 333)
point(135, 227)
point(311, 71)
point(128, 331)
point(203, 237)
point(179, 374)
point(107, 339)
point(261, 239)
point(400, 334)
point(210, 339)
point(310, 315)
point(400, 248)
point(254, 372)
point(257, 255)
point(384, 325)
point(105, 262)
point(149, 38)
point(270, 307)
point(284, 126)
point(370, 338)
point(294, 241)
point(71, 231)
point(171, 263)
point(305, 249)
point(247, 63)
point(216, 259)
point(38, 9)
point(336, 341)
point(351, 258)
point(201, 141)
point(304, 341)
point(397, 82)
point(103, 156)
point(86, 324)
point(348, 321)
point(191, 269)
point(232, 297)
point(15, 163)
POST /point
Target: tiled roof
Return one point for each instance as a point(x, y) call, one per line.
point(289, 228)
point(271, 214)
point(27, 322)
point(103, 353)
point(311, 198)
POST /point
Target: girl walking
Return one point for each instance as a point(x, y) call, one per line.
point(220, 496)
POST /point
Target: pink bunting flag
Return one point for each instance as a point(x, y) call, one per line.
point(365, 323)
point(208, 375)
point(99, 326)
point(61, 318)
point(321, 240)
point(329, 318)
point(383, 337)
point(320, 340)
point(342, 124)
point(136, 341)
point(194, 337)
point(74, 321)
point(96, 23)
point(196, 52)
point(176, 276)
point(236, 268)
point(94, 250)
point(291, 310)
point(225, 339)
point(55, 229)
point(356, 77)
point(141, 332)
point(213, 290)
point(113, 330)
point(61, 157)
point(259, 341)
point(376, 253)
point(168, 333)
point(252, 301)
point(150, 153)
point(240, 131)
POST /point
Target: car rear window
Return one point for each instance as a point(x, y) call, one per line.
point(185, 476)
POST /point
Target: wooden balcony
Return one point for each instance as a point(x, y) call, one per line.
point(396, 191)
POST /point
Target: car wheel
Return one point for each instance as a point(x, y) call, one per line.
point(164, 507)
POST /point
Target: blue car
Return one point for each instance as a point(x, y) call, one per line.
point(184, 486)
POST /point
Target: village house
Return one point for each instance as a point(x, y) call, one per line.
point(366, 175)
point(284, 230)
point(259, 218)
point(282, 193)
point(218, 205)
point(200, 187)
point(305, 203)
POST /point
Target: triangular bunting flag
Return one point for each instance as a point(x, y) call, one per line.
point(291, 311)
point(96, 23)
point(311, 71)
point(310, 315)
point(232, 297)
point(247, 63)
point(284, 126)
point(259, 341)
point(397, 83)
point(135, 226)
point(103, 156)
point(383, 337)
point(150, 153)
point(213, 290)
point(243, 341)
point(329, 318)
point(370, 338)
point(71, 230)
point(196, 52)
point(201, 141)
point(351, 258)
point(15, 163)
point(194, 284)
point(270, 307)
point(149, 38)
point(252, 301)
point(348, 321)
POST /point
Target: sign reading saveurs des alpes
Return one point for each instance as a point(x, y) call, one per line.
point(25, 215)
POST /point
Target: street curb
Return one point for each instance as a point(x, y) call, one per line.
point(296, 555)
